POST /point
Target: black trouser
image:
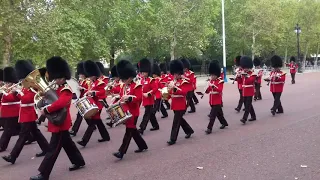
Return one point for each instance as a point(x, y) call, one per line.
point(190, 101)
point(60, 140)
point(149, 114)
point(105, 104)
point(135, 134)
point(178, 121)
point(2, 122)
point(167, 103)
point(77, 123)
point(216, 112)
point(293, 78)
point(277, 102)
point(257, 94)
point(28, 128)
point(248, 108)
point(41, 119)
point(10, 128)
point(158, 105)
point(194, 98)
point(92, 124)
point(240, 100)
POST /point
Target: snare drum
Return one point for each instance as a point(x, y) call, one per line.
point(119, 114)
point(86, 107)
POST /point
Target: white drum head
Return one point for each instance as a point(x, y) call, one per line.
point(73, 83)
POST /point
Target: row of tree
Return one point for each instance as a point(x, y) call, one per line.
point(159, 29)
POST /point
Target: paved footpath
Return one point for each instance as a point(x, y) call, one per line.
point(272, 148)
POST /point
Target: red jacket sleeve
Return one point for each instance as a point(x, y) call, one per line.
point(100, 92)
point(155, 86)
point(251, 79)
point(138, 93)
point(12, 97)
point(281, 79)
point(63, 101)
point(183, 89)
point(219, 87)
point(208, 90)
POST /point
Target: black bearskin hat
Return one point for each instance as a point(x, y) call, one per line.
point(276, 61)
point(125, 70)
point(80, 68)
point(10, 75)
point(176, 67)
point(91, 69)
point(114, 72)
point(256, 62)
point(186, 63)
point(237, 60)
point(214, 68)
point(58, 68)
point(145, 65)
point(246, 62)
point(156, 70)
point(137, 65)
point(163, 67)
point(1, 75)
point(43, 71)
point(101, 67)
point(23, 68)
point(292, 58)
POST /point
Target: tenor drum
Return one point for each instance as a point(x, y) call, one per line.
point(73, 83)
point(86, 107)
point(119, 114)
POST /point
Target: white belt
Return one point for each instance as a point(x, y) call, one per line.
point(245, 86)
point(214, 92)
point(277, 82)
point(10, 103)
point(176, 96)
point(26, 105)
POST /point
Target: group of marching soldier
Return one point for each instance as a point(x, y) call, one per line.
point(132, 90)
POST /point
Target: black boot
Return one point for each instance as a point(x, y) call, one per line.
point(9, 159)
point(38, 177)
point(75, 167)
point(118, 155)
point(40, 154)
point(208, 131)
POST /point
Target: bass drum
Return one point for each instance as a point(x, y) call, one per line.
point(73, 83)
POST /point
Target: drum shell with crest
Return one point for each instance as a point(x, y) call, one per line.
point(119, 113)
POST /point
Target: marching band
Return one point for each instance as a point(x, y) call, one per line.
point(27, 90)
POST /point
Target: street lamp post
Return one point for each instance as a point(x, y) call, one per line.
point(224, 43)
point(298, 31)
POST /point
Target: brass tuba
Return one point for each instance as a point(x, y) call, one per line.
point(165, 93)
point(45, 95)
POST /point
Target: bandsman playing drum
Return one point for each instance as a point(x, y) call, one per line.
point(105, 79)
point(158, 102)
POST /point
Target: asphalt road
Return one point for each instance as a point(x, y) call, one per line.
point(272, 148)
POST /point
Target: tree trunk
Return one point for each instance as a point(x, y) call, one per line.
point(112, 54)
point(305, 57)
point(7, 50)
point(286, 55)
point(203, 63)
point(253, 44)
point(316, 61)
point(173, 45)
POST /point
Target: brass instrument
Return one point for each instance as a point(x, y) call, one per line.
point(164, 93)
point(45, 95)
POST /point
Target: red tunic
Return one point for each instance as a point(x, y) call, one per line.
point(115, 89)
point(277, 80)
point(85, 85)
point(222, 75)
point(248, 84)
point(134, 89)
point(190, 77)
point(10, 105)
point(99, 94)
point(215, 91)
point(104, 78)
point(160, 86)
point(293, 68)
point(149, 85)
point(165, 78)
point(65, 97)
point(27, 112)
point(259, 73)
point(178, 98)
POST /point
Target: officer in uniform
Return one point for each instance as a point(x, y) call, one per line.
point(293, 69)
point(165, 79)
point(190, 77)
point(58, 70)
point(178, 90)
point(259, 72)
point(238, 79)
point(156, 73)
point(131, 96)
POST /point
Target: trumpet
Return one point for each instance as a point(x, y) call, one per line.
point(172, 85)
point(109, 85)
point(7, 89)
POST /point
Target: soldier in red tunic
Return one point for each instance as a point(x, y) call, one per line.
point(114, 90)
point(84, 84)
point(190, 77)
point(105, 79)
point(178, 90)
point(97, 92)
point(156, 73)
point(149, 88)
point(27, 116)
point(165, 79)
point(248, 79)
point(130, 96)
point(293, 69)
point(59, 71)
point(10, 106)
point(277, 79)
point(259, 72)
point(238, 79)
point(215, 89)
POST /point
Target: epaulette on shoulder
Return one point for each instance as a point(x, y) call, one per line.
point(137, 85)
point(66, 87)
point(191, 72)
point(100, 82)
point(221, 81)
point(184, 81)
